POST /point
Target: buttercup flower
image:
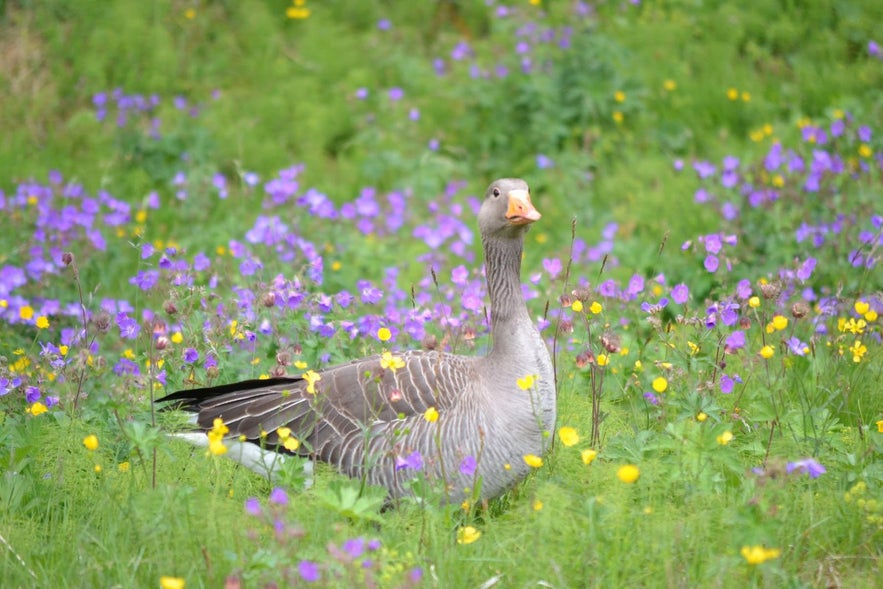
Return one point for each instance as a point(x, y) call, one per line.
point(568, 436)
point(628, 473)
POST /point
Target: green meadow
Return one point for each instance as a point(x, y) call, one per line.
point(194, 193)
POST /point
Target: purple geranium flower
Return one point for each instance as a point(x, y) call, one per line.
point(279, 496)
point(467, 466)
point(308, 570)
point(808, 465)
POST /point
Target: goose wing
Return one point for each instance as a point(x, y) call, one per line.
point(344, 399)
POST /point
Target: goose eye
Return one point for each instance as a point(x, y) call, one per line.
point(496, 192)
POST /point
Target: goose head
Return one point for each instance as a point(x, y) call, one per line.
point(506, 211)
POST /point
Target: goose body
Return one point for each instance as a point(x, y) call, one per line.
point(368, 418)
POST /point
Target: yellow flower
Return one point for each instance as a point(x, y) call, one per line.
point(670, 85)
point(588, 455)
point(387, 360)
point(780, 322)
point(746, 96)
point(577, 306)
point(189, 14)
point(628, 473)
point(871, 315)
point(861, 307)
point(880, 426)
point(694, 348)
point(291, 444)
point(383, 334)
point(431, 415)
point(526, 382)
point(42, 322)
point(37, 408)
point(537, 505)
point(569, 437)
point(602, 360)
point(533, 461)
point(858, 351)
point(660, 384)
point(754, 302)
point(283, 432)
point(725, 438)
point(124, 466)
point(97, 468)
point(619, 96)
point(467, 535)
point(596, 308)
point(171, 583)
point(26, 312)
point(216, 447)
point(759, 554)
point(300, 364)
point(312, 377)
point(297, 13)
point(864, 150)
point(701, 416)
point(91, 442)
point(767, 352)
point(732, 94)
point(177, 337)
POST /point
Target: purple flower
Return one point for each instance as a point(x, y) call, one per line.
point(279, 496)
point(467, 466)
point(552, 266)
point(796, 346)
point(362, 93)
point(252, 506)
point(396, 94)
point(384, 24)
point(808, 465)
point(413, 461)
point(191, 355)
point(32, 394)
point(308, 570)
point(129, 328)
point(711, 263)
point(726, 384)
point(544, 161)
point(680, 294)
point(651, 398)
point(743, 289)
point(806, 269)
point(355, 547)
point(735, 340)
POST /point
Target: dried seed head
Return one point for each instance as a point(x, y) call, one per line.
point(277, 371)
point(469, 333)
point(799, 309)
point(102, 321)
point(430, 342)
point(585, 358)
point(283, 358)
point(770, 290)
point(744, 322)
point(610, 343)
point(582, 294)
point(212, 371)
point(565, 327)
point(169, 307)
point(565, 300)
point(162, 342)
point(67, 258)
point(269, 299)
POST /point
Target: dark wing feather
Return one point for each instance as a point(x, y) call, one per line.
point(349, 398)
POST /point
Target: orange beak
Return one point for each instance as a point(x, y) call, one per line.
point(521, 211)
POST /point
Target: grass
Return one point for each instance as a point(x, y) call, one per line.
point(729, 398)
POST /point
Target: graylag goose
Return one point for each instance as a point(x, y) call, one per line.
point(369, 417)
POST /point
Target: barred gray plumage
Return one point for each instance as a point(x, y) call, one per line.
point(364, 419)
